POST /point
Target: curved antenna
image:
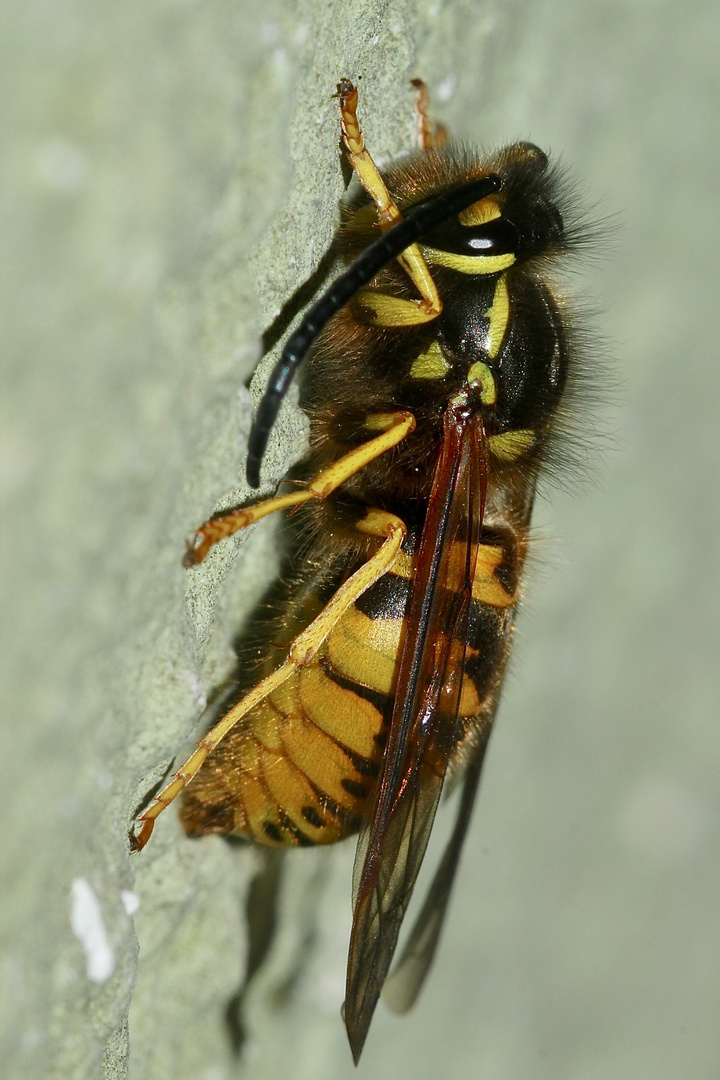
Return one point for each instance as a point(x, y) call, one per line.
point(419, 219)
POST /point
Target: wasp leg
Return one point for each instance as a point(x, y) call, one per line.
point(429, 135)
point(412, 259)
point(377, 523)
point(395, 426)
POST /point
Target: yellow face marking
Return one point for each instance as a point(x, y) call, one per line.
point(469, 264)
point(498, 314)
point(480, 376)
point(389, 310)
point(487, 209)
point(511, 445)
point(431, 364)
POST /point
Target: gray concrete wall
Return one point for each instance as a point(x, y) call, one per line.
point(170, 176)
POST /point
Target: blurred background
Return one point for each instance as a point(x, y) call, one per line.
point(170, 175)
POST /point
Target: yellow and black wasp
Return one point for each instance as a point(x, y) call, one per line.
point(439, 361)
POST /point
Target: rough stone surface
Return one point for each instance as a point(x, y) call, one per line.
point(171, 176)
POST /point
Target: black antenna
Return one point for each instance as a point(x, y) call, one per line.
point(417, 220)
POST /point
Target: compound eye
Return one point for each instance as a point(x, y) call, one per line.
point(496, 237)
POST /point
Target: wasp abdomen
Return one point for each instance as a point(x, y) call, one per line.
point(300, 768)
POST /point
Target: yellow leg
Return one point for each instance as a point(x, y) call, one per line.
point(378, 523)
point(394, 428)
point(412, 259)
point(429, 135)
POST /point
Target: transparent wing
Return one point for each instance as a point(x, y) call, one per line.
point(405, 983)
point(423, 729)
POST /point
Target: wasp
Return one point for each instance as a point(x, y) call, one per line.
point(437, 363)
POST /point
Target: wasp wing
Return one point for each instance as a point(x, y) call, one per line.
point(423, 729)
point(405, 983)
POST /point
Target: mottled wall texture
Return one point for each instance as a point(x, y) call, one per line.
point(170, 176)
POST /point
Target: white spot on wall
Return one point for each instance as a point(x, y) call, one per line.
point(130, 901)
point(88, 926)
point(197, 688)
point(446, 88)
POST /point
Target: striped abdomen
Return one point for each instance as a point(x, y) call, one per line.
point(299, 767)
